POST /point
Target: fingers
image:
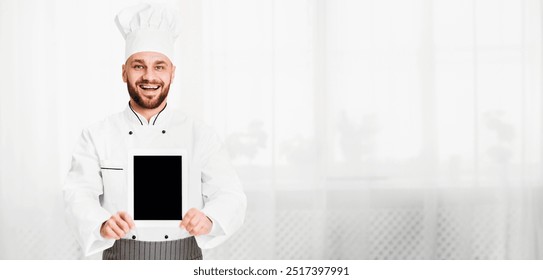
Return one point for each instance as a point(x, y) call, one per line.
point(188, 217)
point(109, 233)
point(126, 218)
point(112, 223)
point(196, 222)
point(108, 230)
point(121, 223)
point(195, 226)
point(117, 226)
point(197, 230)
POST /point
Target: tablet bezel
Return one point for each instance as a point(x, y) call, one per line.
point(184, 182)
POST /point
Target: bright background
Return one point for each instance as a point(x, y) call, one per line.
point(361, 129)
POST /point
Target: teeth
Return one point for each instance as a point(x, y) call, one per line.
point(148, 87)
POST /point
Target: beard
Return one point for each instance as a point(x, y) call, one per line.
point(137, 93)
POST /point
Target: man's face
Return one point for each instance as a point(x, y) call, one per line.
point(148, 76)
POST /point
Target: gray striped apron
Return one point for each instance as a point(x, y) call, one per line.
point(128, 249)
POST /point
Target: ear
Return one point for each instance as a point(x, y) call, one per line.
point(124, 74)
point(173, 73)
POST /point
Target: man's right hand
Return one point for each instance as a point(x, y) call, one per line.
point(117, 226)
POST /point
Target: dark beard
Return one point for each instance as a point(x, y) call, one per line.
point(148, 104)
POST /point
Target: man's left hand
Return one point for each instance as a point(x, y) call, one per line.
point(196, 222)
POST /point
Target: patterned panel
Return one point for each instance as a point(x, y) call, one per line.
point(254, 240)
point(448, 234)
point(517, 235)
point(488, 233)
point(396, 234)
point(345, 235)
point(295, 231)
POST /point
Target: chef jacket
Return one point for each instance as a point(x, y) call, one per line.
point(96, 185)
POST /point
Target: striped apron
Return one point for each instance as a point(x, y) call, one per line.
point(127, 249)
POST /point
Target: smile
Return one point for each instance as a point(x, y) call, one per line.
point(149, 87)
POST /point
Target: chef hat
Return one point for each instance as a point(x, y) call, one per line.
point(147, 27)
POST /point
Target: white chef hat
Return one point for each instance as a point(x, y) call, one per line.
point(147, 27)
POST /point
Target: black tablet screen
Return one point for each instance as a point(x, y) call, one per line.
point(157, 187)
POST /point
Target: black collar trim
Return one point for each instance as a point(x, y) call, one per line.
point(159, 113)
point(135, 113)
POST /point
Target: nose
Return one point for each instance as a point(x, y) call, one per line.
point(149, 74)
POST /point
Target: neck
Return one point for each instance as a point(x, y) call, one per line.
point(147, 113)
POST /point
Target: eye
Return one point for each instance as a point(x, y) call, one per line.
point(160, 67)
point(138, 67)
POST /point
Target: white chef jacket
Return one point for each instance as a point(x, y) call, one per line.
point(96, 186)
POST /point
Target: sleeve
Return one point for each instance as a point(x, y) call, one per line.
point(82, 190)
point(225, 202)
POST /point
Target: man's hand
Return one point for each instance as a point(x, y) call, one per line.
point(117, 226)
point(196, 222)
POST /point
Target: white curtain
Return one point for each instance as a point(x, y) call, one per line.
point(361, 129)
point(380, 129)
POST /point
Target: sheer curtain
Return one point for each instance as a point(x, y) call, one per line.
point(361, 129)
point(380, 129)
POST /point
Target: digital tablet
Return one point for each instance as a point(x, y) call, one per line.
point(157, 187)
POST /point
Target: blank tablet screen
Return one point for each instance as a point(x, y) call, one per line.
point(157, 187)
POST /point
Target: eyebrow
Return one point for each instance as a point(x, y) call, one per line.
point(143, 62)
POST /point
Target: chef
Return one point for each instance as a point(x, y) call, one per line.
point(95, 190)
